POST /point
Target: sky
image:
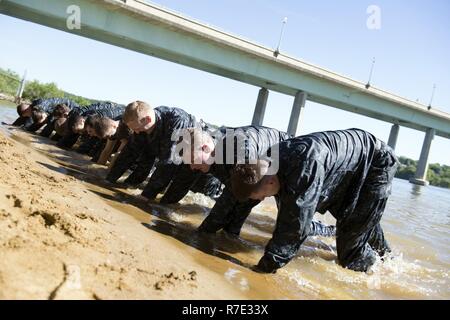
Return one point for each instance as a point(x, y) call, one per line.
point(411, 48)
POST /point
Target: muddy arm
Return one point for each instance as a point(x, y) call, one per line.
point(106, 153)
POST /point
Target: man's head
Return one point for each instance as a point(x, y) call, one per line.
point(89, 124)
point(61, 111)
point(24, 110)
point(249, 181)
point(77, 124)
point(38, 116)
point(61, 126)
point(201, 146)
point(139, 117)
point(105, 128)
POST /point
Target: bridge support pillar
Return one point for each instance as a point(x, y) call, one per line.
point(393, 135)
point(297, 112)
point(260, 108)
point(420, 177)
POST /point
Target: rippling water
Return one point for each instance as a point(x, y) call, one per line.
point(416, 223)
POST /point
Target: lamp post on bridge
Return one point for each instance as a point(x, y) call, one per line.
point(277, 50)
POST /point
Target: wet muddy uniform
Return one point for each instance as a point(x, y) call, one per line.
point(50, 123)
point(186, 180)
point(102, 109)
point(181, 181)
point(228, 213)
point(48, 105)
point(138, 157)
point(156, 148)
point(23, 122)
point(133, 156)
point(94, 146)
point(348, 173)
point(122, 133)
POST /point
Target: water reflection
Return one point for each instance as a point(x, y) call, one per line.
point(416, 190)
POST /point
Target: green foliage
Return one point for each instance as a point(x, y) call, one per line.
point(35, 89)
point(78, 99)
point(438, 175)
point(405, 172)
point(407, 161)
point(9, 82)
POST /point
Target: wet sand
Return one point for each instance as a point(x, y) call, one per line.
point(65, 234)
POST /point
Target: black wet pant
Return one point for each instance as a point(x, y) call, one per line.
point(97, 149)
point(135, 157)
point(208, 185)
point(35, 126)
point(359, 235)
point(68, 140)
point(87, 145)
point(141, 169)
point(230, 215)
point(185, 180)
point(23, 122)
point(160, 179)
point(56, 137)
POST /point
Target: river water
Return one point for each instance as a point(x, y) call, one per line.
point(416, 223)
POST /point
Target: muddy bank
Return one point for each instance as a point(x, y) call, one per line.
point(61, 237)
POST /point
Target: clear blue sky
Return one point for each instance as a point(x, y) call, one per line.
point(412, 50)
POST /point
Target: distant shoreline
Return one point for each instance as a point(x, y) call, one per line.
point(6, 97)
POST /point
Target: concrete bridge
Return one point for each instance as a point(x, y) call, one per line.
point(155, 31)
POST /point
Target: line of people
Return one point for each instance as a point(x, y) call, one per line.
point(347, 172)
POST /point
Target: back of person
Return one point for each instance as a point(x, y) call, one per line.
point(257, 141)
point(47, 105)
point(104, 109)
point(344, 156)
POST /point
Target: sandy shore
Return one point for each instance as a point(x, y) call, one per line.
point(60, 240)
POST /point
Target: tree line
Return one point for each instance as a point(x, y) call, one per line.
point(10, 82)
point(438, 175)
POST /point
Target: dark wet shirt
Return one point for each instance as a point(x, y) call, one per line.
point(257, 143)
point(319, 172)
point(23, 122)
point(47, 105)
point(168, 120)
point(103, 109)
point(158, 144)
point(122, 132)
